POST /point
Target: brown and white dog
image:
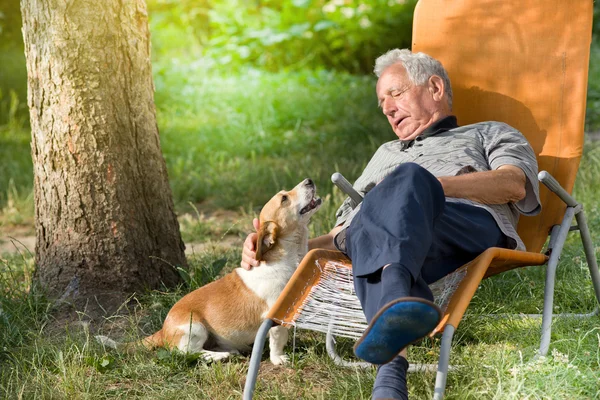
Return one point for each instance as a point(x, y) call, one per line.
point(223, 317)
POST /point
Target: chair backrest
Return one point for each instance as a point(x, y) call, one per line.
point(524, 63)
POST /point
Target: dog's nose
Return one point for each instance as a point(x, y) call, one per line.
point(308, 182)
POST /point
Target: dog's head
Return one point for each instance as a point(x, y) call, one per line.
point(286, 214)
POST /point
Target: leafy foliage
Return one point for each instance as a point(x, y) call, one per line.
point(13, 74)
point(592, 117)
point(345, 35)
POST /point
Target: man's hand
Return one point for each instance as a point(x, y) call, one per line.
point(249, 249)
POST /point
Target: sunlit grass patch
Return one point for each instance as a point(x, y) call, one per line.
point(201, 226)
point(236, 140)
point(233, 141)
point(16, 168)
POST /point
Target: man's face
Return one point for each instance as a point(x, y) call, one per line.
point(409, 108)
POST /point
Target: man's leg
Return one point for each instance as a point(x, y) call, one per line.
point(402, 207)
point(390, 382)
point(425, 239)
point(461, 233)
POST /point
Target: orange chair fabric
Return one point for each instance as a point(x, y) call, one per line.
point(524, 63)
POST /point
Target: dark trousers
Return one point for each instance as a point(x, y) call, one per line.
point(406, 221)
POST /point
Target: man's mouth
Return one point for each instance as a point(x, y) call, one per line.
point(398, 122)
point(314, 203)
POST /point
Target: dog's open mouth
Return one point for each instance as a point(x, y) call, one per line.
point(314, 203)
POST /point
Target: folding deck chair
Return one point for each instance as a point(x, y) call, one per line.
point(520, 62)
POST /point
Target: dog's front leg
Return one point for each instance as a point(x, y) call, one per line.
point(278, 336)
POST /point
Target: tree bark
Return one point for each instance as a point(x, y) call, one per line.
point(105, 224)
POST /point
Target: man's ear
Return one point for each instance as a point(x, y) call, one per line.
point(267, 237)
point(436, 87)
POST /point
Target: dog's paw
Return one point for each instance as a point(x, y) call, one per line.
point(214, 355)
point(106, 341)
point(279, 359)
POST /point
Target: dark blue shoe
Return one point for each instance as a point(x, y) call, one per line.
point(398, 324)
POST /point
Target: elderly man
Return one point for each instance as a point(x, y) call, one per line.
point(433, 200)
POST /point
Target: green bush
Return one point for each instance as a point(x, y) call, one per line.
point(13, 73)
point(344, 35)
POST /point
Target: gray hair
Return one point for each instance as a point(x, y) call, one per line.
point(419, 68)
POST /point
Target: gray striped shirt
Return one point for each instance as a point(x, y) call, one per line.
point(483, 146)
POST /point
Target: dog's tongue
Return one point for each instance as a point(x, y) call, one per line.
point(314, 202)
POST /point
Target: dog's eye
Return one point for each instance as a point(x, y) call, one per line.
point(284, 198)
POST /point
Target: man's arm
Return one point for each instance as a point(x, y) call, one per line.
point(503, 185)
point(324, 241)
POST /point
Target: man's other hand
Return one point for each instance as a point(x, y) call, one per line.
point(249, 249)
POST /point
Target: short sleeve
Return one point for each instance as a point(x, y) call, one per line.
point(344, 211)
point(505, 145)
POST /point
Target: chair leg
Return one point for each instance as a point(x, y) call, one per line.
point(257, 349)
point(339, 361)
point(559, 242)
point(590, 255)
point(444, 362)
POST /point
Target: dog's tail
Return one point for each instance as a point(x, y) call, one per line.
point(151, 342)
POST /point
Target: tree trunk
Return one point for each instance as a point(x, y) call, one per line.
point(104, 218)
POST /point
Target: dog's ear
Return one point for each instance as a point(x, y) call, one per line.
point(267, 237)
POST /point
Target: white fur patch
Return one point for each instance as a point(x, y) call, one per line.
point(278, 336)
point(193, 338)
point(216, 355)
point(267, 280)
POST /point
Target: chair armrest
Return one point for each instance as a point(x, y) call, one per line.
point(346, 187)
point(552, 184)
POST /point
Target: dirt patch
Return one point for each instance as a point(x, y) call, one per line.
point(229, 241)
point(26, 244)
point(227, 230)
point(17, 244)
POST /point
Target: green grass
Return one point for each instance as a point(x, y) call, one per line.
point(231, 142)
point(494, 357)
point(592, 120)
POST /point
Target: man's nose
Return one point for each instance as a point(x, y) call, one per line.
point(388, 106)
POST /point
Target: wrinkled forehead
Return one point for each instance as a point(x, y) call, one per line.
point(393, 77)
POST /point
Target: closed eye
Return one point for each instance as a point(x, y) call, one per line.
point(397, 93)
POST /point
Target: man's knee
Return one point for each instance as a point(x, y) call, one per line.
point(412, 171)
point(410, 178)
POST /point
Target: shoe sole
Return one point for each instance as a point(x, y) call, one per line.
point(398, 324)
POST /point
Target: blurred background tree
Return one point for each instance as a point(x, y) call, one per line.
point(269, 34)
point(13, 74)
point(340, 35)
